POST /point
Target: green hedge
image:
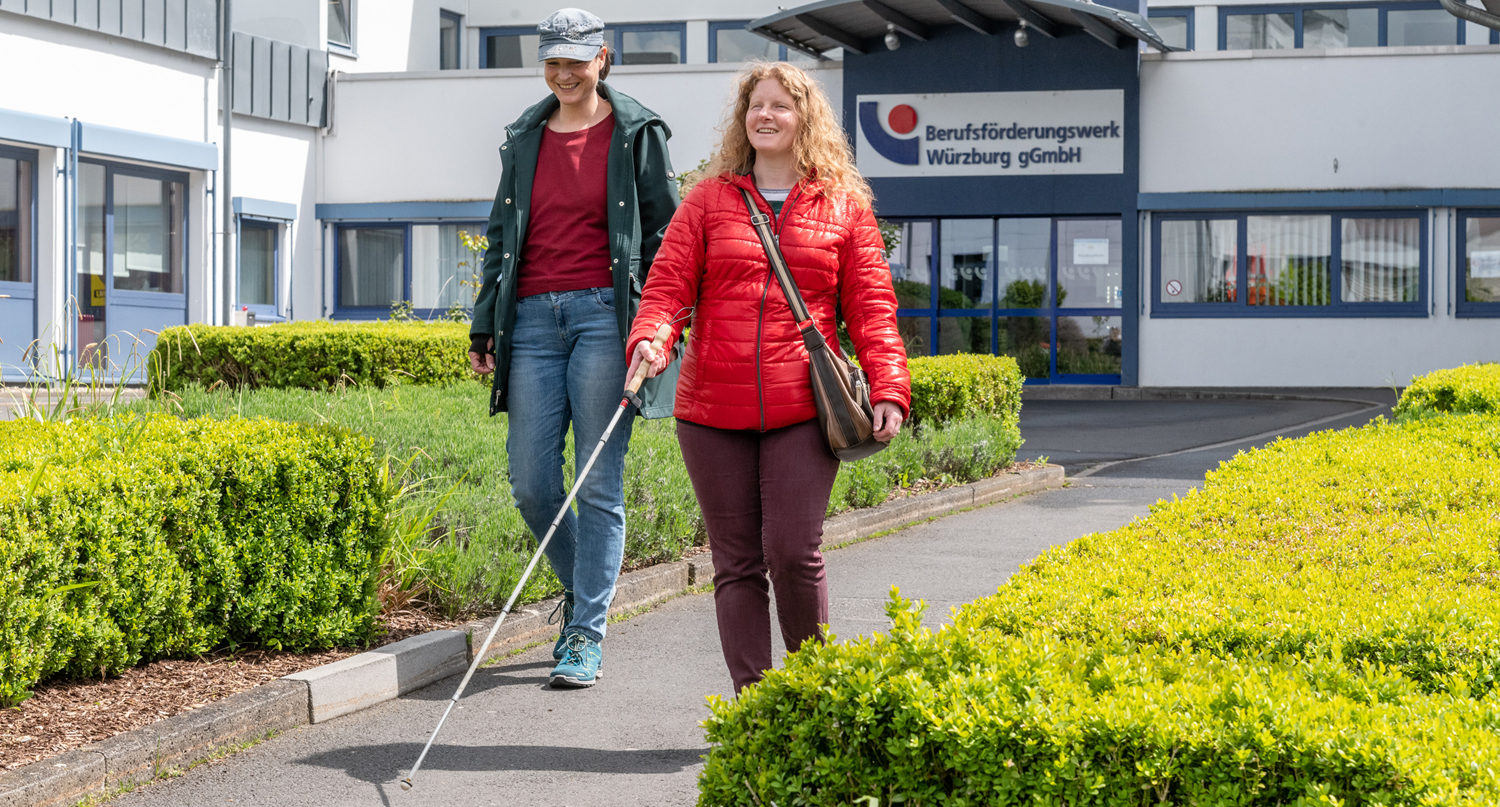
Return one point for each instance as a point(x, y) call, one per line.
point(311, 355)
point(134, 538)
point(1317, 625)
point(1471, 388)
point(945, 388)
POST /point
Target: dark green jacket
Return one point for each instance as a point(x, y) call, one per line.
point(641, 193)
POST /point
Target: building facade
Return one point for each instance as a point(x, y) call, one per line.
point(1284, 194)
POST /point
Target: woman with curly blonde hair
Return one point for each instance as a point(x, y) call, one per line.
point(761, 466)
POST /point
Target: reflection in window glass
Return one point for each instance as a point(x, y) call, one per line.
point(147, 234)
point(370, 263)
point(1198, 261)
point(1380, 260)
point(1028, 340)
point(1482, 260)
point(967, 249)
point(651, 47)
point(1088, 345)
point(1089, 269)
point(507, 50)
point(1430, 26)
point(911, 264)
point(1288, 259)
point(1340, 28)
point(1173, 30)
point(963, 335)
point(739, 45)
point(257, 263)
point(92, 284)
point(1260, 31)
point(15, 220)
point(449, 34)
point(440, 265)
point(339, 29)
point(1023, 258)
point(916, 333)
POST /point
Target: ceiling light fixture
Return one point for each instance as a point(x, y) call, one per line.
point(1022, 40)
point(891, 40)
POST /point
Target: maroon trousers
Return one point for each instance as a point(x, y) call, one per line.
point(763, 497)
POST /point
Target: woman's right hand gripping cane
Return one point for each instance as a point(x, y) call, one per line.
point(652, 353)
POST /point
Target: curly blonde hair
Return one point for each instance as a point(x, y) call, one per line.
point(819, 147)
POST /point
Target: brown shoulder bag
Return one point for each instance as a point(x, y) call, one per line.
point(840, 389)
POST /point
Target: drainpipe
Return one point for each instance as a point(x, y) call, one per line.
point(226, 200)
point(70, 246)
point(1488, 19)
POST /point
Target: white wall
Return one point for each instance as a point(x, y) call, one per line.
point(531, 12)
point(277, 162)
point(443, 145)
point(299, 22)
point(1277, 120)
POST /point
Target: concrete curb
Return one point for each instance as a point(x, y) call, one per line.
point(366, 679)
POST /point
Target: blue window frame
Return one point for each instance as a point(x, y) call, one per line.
point(18, 260)
point(1477, 283)
point(1291, 263)
point(342, 27)
point(378, 265)
point(1002, 288)
point(260, 267)
point(734, 35)
point(1338, 25)
point(1175, 26)
point(511, 46)
point(450, 40)
point(639, 43)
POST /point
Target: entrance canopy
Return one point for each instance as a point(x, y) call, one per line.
point(858, 25)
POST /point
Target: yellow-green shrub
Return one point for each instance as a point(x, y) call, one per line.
point(1318, 624)
point(313, 355)
point(135, 538)
point(1470, 388)
point(944, 388)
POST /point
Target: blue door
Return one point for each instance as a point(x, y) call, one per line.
point(18, 186)
point(133, 229)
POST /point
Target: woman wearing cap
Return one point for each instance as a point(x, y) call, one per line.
point(586, 191)
point(759, 461)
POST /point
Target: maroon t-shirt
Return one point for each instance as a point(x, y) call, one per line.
point(567, 235)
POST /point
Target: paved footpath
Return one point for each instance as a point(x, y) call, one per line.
point(635, 738)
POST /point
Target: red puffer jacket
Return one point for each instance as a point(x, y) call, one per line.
point(746, 366)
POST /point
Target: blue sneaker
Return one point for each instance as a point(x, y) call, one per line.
point(580, 663)
point(565, 609)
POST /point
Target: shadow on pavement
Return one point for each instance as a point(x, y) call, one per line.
point(378, 764)
point(485, 679)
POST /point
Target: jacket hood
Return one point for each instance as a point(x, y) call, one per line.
point(630, 115)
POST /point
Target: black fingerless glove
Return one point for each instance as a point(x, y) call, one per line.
point(479, 343)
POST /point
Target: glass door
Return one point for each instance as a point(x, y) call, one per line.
point(17, 262)
point(1046, 292)
point(133, 233)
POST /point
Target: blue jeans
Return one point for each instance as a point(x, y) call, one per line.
point(567, 365)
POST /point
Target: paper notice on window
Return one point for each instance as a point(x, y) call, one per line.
point(1090, 251)
point(1484, 263)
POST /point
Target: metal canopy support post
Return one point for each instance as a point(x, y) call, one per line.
point(70, 260)
point(1034, 20)
point(1098, 29)
point(903, 23)
point(848, 41)
point(966, 16)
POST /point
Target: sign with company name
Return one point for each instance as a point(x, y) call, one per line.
point(991, 133)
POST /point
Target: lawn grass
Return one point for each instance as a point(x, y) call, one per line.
point(481, 544)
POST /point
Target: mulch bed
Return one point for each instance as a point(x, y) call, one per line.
point(64, 715)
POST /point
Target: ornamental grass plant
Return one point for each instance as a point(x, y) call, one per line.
point(1316, 625)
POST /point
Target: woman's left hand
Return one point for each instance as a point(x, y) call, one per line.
point(888, 418)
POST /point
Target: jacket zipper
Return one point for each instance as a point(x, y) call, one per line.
point(765, 290)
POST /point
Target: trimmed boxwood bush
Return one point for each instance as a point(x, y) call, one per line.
point(1317, 624)
point(135, 538)
point(312, 355)
point(1471, 388)
point(944, 388)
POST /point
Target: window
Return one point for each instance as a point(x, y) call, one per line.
point(259, 261)
point(1337, 26)
point(341, 24)
point(649, 43)
point(1479, 264)
point(730, 42)
point(17, 216)
point(1290, 264)
point(450, 41)
point(1046, 292)
point(1175, 25)
point(508, 47)
point(424, 264)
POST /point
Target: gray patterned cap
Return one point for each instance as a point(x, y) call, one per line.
point(570, 33)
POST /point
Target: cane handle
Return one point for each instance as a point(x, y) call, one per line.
point(662, 335)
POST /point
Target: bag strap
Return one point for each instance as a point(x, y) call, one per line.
point(811, 336)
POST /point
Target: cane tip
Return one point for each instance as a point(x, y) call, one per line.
point(406, 784)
